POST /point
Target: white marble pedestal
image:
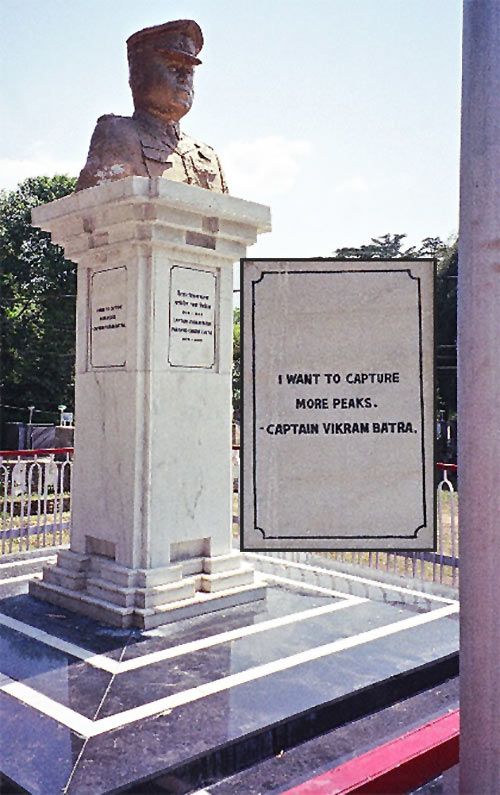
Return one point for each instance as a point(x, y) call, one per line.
point(152, 483)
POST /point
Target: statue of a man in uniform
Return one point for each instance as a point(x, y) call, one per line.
point(150, 143)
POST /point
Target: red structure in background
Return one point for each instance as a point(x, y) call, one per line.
point(396, 767)
point(33, 453)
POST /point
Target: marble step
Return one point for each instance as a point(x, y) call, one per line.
point(200, 604)
point(110, 592)
point(144, 618)
point(140, 578)
point(164, 594)
point(142, 597)
point(211, 583)
point(221, 563)
point(79, 602)
point(65, 577)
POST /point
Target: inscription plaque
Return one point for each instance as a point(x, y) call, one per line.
point(192, 318)
point(338, 404)
point(108, 318)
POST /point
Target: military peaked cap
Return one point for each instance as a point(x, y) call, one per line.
point(181, 39)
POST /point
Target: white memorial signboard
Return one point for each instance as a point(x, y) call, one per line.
point(338, 404)
point(192, 317)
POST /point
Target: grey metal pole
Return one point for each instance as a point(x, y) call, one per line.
point(479, 400)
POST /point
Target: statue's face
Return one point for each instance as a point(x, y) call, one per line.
point(163, 85)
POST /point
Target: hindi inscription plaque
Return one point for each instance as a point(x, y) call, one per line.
point(192, 317)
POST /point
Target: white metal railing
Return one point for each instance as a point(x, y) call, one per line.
point(441, 566)
point(35, 511)
point(35, 498)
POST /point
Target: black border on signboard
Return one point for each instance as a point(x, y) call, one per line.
point(91, 365)
point(426, 509)
point(419, 312)
point(192, 366)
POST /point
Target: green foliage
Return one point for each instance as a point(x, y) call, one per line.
point(37, 305)
point(236, 361)
point(446, 331)
point(390, 246)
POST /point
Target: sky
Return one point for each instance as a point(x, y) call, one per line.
point(342, 115)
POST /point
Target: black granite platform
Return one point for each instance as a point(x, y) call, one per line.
point(305, 762)
point(86, 709)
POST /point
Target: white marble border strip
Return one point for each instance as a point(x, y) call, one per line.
point(88, 728)
point(105, 663)
point(235, 634)
point(96, 660)
point(165, 705)
point(9, 564)
point(333, 573)
point(47, 706)
point(307, 586)
point(114, 667)
point(19, 578)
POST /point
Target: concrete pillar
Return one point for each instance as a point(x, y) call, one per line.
point(152, 485)
point(479, 400)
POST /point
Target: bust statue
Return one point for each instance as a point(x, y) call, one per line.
point(150, 143)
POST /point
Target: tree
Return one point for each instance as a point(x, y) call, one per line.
point(390, 246)
point(37, 306)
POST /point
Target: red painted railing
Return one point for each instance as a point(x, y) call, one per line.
point(449, 467)
point(37, 452)
point(393, 768)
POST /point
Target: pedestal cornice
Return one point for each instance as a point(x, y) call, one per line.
point(160, 212)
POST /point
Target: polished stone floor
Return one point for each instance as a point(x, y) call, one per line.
point(302, 764)
point(88, 709)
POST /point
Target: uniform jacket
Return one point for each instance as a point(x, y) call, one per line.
point(123, 146)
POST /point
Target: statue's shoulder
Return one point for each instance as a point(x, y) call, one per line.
point(113, 125)
point(114, 119)
point(115, 152)
point(114, 134)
